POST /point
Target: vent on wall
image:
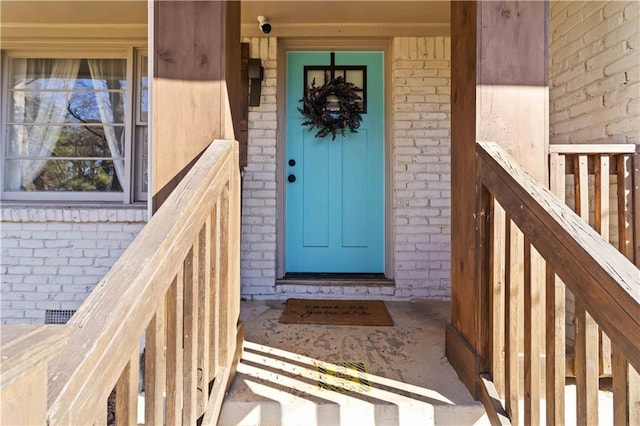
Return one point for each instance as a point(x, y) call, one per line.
point(58, 316)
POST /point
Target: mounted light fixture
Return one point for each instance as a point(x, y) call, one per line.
point(256, 75)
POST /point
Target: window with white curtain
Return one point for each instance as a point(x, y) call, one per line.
point(67, 130)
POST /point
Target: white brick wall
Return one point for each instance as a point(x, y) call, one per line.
point(53, 257)
point(421, 167)
point(258, 250)
point(595, 72)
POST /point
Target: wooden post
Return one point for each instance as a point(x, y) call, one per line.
point(196, 80)
point(499, 93)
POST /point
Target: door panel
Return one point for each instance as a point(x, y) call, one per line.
point(355, 191)
point(315, 187)
point(335, 206)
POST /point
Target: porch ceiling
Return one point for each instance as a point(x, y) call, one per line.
point(339, 18)
point(22, 20)
point(46, 23)
point(74, 12)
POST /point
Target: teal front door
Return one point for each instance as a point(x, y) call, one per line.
point(335, 188)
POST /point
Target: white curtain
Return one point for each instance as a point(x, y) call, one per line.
point(103, 72)
point(35, 142)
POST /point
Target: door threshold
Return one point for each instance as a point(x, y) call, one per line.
point(335, 279)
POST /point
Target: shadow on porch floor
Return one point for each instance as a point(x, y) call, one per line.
point(294, 374)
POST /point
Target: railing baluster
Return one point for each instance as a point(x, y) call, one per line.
point(555, 318)
point(204, 283)
point(513, 334)
point(190, 333)
point(570, 302)
point(223, 293)
point(633, 401)
point(586, 341)
point(625, 202)
point(601, 224)
point(496, 256)
point(626, 381)
point(529, 392)
point(236, 336)
point(555, 349)
point(626, 392)
point(127, 392)
point(601, 199)
point(175, 314)
point(484, 230)
point(586, 367)
point(214, 320)
point(533, 326)
point(581, 184)
point(154, 369)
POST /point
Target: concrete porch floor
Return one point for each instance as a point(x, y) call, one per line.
point(408, 380)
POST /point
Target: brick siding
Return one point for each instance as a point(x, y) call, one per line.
point(258, 249)
point(421, 75)
point(595, 72)
point(53, 257)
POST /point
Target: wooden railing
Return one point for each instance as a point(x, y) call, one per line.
point(176, 287)
point(530, 246)
point(602, 185)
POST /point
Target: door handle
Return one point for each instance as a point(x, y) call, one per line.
point(291, 178)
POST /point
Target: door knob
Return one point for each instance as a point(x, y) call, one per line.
point(291, 178)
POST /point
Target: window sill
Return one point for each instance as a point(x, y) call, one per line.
point(80, 213)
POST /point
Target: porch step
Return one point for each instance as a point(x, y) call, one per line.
point(350, 286)
point(348, 375)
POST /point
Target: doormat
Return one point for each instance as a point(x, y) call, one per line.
point(336, 312)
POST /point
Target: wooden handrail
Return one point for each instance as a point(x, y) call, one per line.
point(540, 230)
point(189, 249)
point(624, 148)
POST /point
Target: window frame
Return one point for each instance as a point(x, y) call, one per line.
point(344, 69)
point(138, 153)
point(128, 194)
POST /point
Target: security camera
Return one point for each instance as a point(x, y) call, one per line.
point(264, 24)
